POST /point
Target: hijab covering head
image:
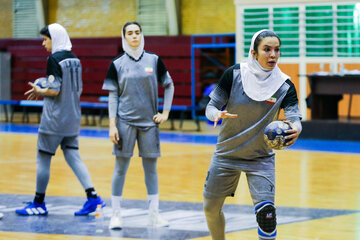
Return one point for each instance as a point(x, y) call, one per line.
point(59, 38)
point(260, 84)
point(137, 52)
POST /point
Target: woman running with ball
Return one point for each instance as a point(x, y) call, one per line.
point(253, 93)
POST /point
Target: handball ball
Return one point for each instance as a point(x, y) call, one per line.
point(41, 82)
point(274, 135)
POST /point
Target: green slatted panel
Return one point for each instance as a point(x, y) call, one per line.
point(348, 20)
point(255, 19)
point(319, 31)
point(286, 25)
point(319, 27)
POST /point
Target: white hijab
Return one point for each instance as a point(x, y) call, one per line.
point(134, 53)
point(260, 84)
point(59, 38)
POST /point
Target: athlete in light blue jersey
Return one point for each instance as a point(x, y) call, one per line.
point(253, 94)
point(60, 120)
point(132, 81)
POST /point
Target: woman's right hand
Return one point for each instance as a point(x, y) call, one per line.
point(113, 131)
point(114, 134)
point(223, 114)
point(34, 92)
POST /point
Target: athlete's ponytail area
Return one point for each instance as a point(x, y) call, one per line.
point(266, 217)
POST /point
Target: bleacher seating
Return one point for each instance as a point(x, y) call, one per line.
point(29, 63)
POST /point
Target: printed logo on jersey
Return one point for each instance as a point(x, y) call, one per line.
point(271, 100)
point(149, 70)
point(51, 78)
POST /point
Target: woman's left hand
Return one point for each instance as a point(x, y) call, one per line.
point(293, 133)
point(161, 117)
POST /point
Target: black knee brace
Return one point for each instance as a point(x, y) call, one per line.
point(266, 218)
point(46, 152)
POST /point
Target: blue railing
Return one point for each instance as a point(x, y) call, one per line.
point(216, 41)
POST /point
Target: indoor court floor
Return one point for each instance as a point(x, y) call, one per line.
point(317, 190)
